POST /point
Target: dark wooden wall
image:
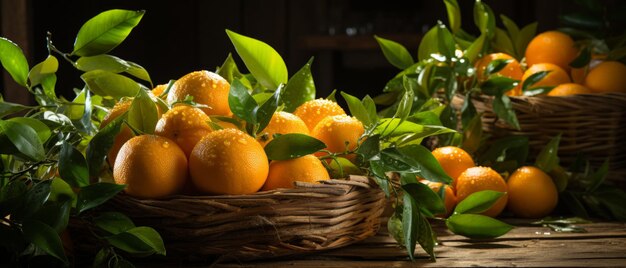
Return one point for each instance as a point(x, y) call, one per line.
point(177, 37)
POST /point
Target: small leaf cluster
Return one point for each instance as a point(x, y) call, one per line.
point(51, 154)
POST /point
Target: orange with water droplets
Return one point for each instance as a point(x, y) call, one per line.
point(313, 111)
point(151, 166)
point(125, 133)
point(449, 200)
point(206, 88)
point(228, 161)
point(453, 160)
point(185, 125)
point(340, 133)
point(476, 179)
point(512, 70)
point(282, 123)
point(556, 75)
point(159, 90)
point(532, 193)
point(283, 173)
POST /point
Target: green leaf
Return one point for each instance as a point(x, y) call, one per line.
point(7, 108)
point(473, 134)
point(267, 109)
point(429, 202)
point(429, 44)
point(111, 64)
point(507, 148)
point(496, 65)
point(45, 238)
point(299, 89)
point(105, 31)
point(55, 214)
point(61, 191)
point(477, 226)
point(72, 166)
point(142, 241)
point(100, 144)
point(143, 114)
point(106, 83)
point(533, 79)
point(484, 19)
point(43, 131)
point(11, 197)
point(33, 200)
point(410, 223)
point(357, 109)
point(392, 127)
point(101, 257)
point(598, 177)
point(24, 138)
point(511, 28)
point(548, 158)
point(395, 53)
point(241, 102)
point(113, 222)
point(93, 195)
point(426, 237)
point(14, 61)
point(526, 34)
point(369, 148)
point(445, 42)
point(583, 58)
point(478, 202)
point(262, 60)
point(503, 43)
point(229, 69)
point(503, 108)
point(498, 85)
point(472, 52)
point(424, 162)
point(370, 108)
point(45, 68)
point(406, 103)
point(292, 145)
point(454, 14)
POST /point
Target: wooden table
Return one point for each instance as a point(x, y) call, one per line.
point(603, 245)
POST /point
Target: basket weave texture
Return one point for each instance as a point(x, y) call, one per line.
point(310, 218)
point(592, 125)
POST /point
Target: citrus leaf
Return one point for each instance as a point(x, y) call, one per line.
point(496, 65)
point(498, 85)
point(14, 61)
point(299, 89)
point(7, 108)
point(429, 44)
point(340, 168)
point(42, 130)
point(11, 196)
point(525, 35)
point(113, 222)
point(262, 60)
point(357, 109)
point(33, 200)
point(393, 127)
point(267, 109)
point(511, 27)
point(410, 223)
point(395, 53)
point(478, 202)
point(93, 195)
point(72, 166)
point(292, 145)
point(472, 52)
point(100, 144)
point(105, 31)
point(143, 114)
point(503, 108)
point(369, 148)
point(370, 108)
point(106, 83)
point(598, 177)
point(229, 69)
point(241, 102)
point(45, 238)
point(477, 226)
point(583, 58)
point(484, 19)
point(47, 67)
point(421, 159)
point(429, 202)
point(426, 237)
point(473, 134)
point(454, 14)
point(142, 241)
point(548, 158)
point(445, 42)
point(507, 148)
point(24, 138)
point(503, 43)
point(55, 214)
point(112, 64)
point(533, 79)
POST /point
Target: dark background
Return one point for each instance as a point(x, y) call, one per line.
point(177, 37)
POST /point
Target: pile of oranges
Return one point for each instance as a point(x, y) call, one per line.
point(187, 154)
point(553, 51)
point(528, 192)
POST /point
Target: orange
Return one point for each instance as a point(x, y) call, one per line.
point(449, 200)
point(185, 125)
point(151, 166)
point(453, 160)
point(228, 161)
point(569, 89)
point(532, 193)
point(159, 89)
point(284, 173)
point(476, 179)
point(555, 77)
point(282, 123)
point(206, 88)
point(125, 133)
point(512, 70)
point(608, 76)
point(340, 133)
point(313, 111)
point(551, 47)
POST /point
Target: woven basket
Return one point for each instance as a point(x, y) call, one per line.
point(592, 125)
point(310, 218)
